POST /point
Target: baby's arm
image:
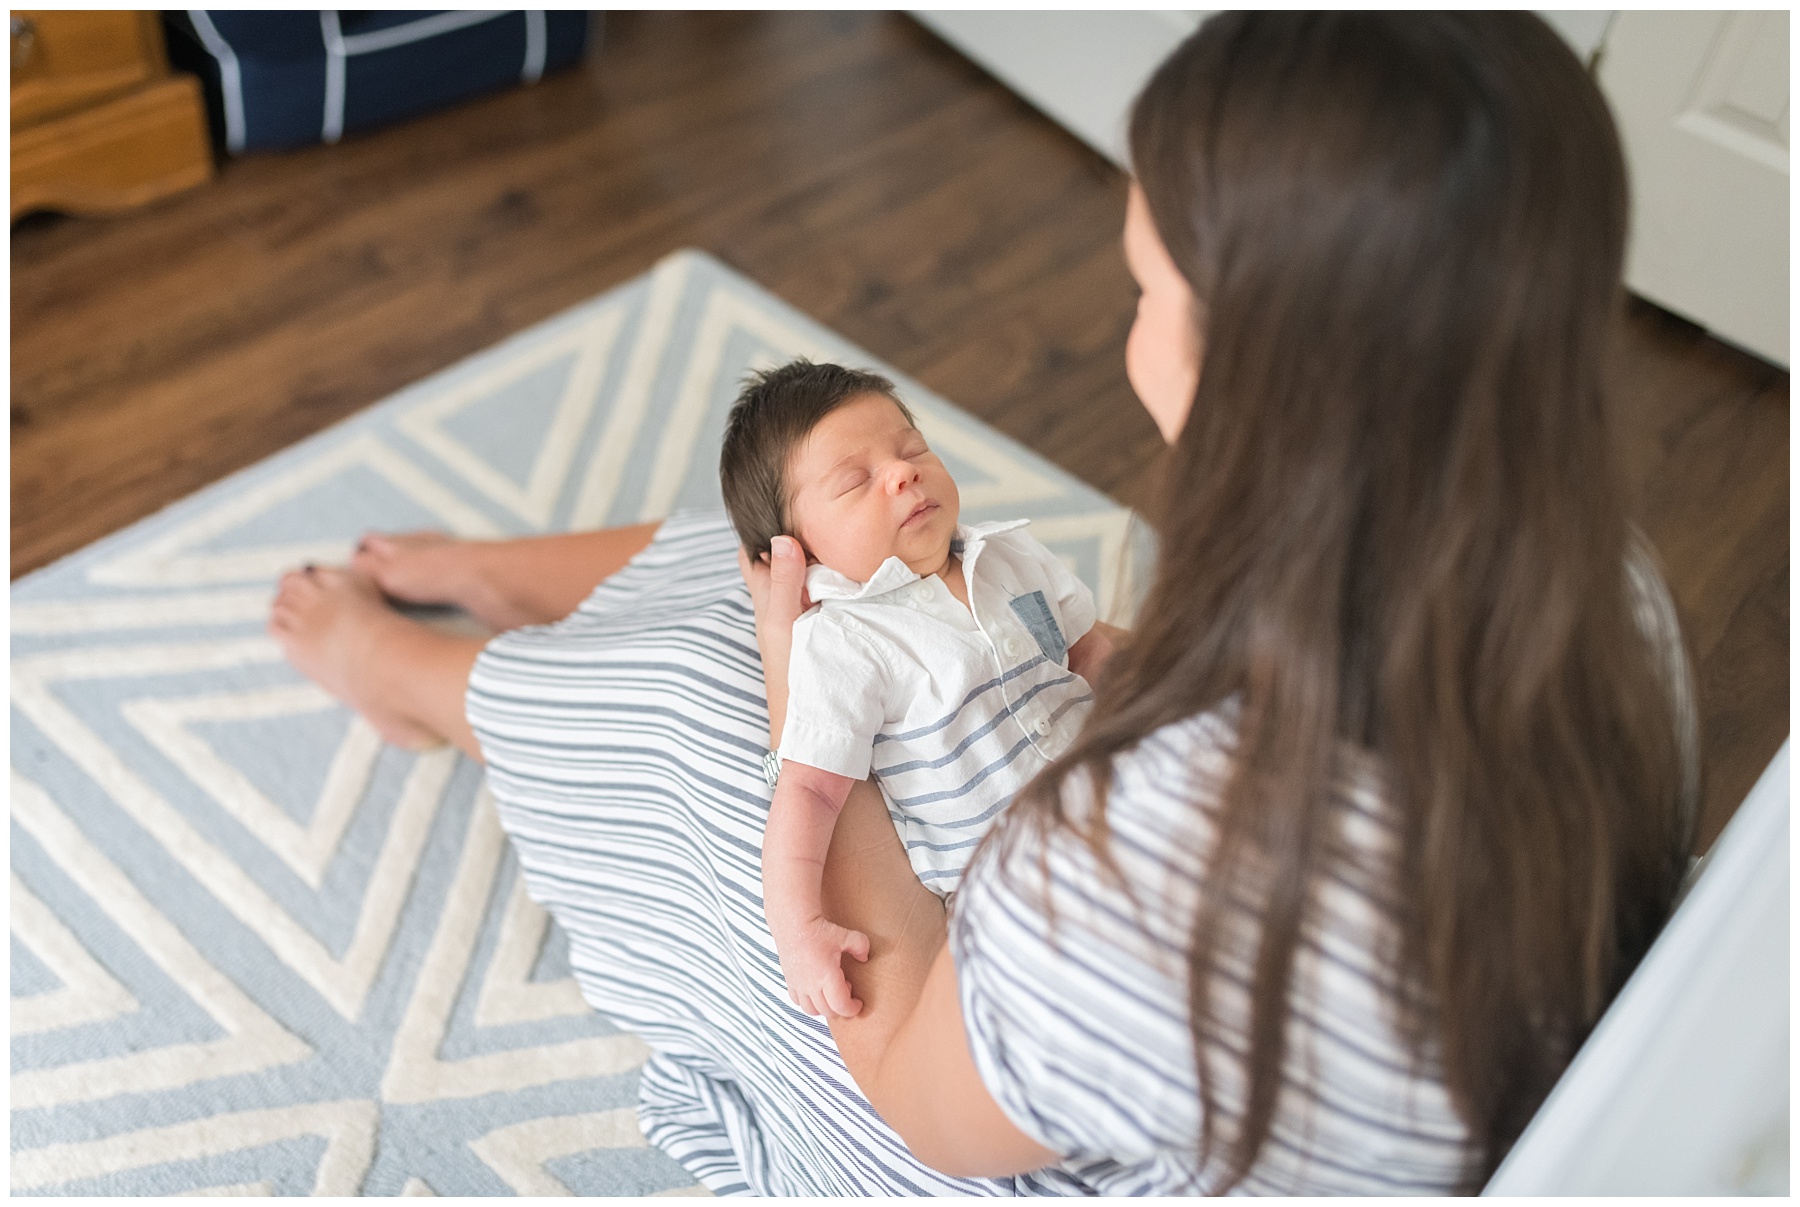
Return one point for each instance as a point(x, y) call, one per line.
point(811, 947)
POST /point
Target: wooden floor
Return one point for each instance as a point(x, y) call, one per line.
point(851, 163)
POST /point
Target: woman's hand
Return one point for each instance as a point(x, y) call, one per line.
point(777, 583)
point(1088, 657)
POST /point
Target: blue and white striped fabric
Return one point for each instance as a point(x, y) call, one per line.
point(624, 748)
point(954, 709)
point(1080, 1027)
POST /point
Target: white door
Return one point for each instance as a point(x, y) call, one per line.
point(1702, 104)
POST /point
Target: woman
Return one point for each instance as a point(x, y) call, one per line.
point(1378, 806)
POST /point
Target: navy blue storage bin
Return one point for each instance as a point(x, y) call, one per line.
point(285, 79)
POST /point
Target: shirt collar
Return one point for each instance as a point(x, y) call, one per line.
point(822, 582)
point(981, 532)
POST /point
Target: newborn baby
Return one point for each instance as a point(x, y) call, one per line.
point(947, 659)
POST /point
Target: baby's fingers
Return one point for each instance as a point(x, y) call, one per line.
point(856, 944)
point(837, 996)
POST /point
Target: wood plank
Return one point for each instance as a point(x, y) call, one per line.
point(1705, 430)
point(116, 155)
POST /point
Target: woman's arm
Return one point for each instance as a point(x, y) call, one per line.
point(870, 885)
point(906, 1048)
point(1088, 655)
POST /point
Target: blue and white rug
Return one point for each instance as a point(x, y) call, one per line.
point(256, 951)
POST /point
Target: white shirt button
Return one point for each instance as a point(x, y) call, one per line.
point(1042, 726)
point(923, 593)
point(1011, 646)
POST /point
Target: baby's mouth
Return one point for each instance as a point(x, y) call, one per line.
point(918, 513)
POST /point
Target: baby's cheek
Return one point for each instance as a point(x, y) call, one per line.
point(952, 498)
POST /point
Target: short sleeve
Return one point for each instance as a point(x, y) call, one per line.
point(837, 693)
point(1075, 1016)
point(1074, 602)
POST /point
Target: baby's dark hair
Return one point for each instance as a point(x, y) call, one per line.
point(773, 414)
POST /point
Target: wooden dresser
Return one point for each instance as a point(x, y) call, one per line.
point(99, 124)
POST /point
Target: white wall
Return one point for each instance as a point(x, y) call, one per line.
point(1709, 180)
point(1084, 68)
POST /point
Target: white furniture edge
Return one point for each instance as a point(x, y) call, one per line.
point(1576, 1137)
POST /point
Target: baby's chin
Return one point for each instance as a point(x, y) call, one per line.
point(924, 561)
point(925, 552)
point(928, 556)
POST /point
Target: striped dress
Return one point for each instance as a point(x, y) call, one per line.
point(624, 748)
point(1074, 996)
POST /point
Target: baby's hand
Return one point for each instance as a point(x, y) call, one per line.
point(811, 960)
point(1088, 655)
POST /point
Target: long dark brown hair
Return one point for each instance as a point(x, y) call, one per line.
point(1392, 526)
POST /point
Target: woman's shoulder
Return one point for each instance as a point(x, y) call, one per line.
point(1167, 785)
point(1122, 867)
point(1173, 779)
point(1125, 868)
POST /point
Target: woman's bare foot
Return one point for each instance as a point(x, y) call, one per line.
point(435, 568)
point(337, 631)
point(416, 567)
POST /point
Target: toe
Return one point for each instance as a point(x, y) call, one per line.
point(281, 615)
point(371, 560)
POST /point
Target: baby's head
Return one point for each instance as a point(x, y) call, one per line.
point(830, 456)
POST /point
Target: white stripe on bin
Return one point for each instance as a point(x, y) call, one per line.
point(231, 80)
point(537, 45)
point(335, 54)
point(413, 31)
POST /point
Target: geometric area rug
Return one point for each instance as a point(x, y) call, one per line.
point(257, 951)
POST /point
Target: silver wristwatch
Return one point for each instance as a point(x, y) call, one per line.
point(772, 767)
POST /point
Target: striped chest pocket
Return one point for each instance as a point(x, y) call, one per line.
point(1034, 613)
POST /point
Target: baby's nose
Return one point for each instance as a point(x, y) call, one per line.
point(900, 475)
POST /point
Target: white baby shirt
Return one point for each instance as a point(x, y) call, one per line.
point(953, 712)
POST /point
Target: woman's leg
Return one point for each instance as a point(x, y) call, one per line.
point(406, 678)
point(504, 584)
